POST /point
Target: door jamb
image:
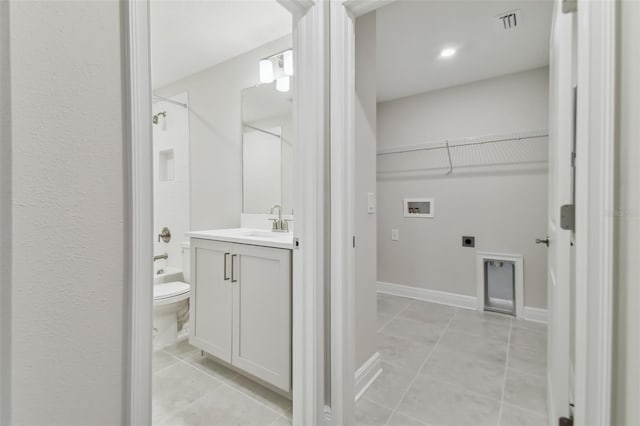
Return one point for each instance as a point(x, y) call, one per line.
point(5, 216)
point(342, 101)
point(595, 167)
point(308, 304)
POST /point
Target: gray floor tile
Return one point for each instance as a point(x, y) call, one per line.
point(514, 416)
point(526, 391)
point(178, 386)
point(423, 333)
point(383, 319)
point(530, 338)
point(430, 313)
point(439, 403)
point(481, 327)
point(519, 323)
point(528, 359)
point(391, 384)
point(399, 419)
point(369, 413)
point(181, 349)
point(484, 316)
point(282, 421)
point(266, 396)
point(210, 366)
point(391, 305)
point(162, 359)
point(403, 352)
point(224, 406)
point(473, 375)
point(478, 348)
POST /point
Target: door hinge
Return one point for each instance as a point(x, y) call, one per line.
point(354, 241)
point(569, 6)
point(296, 243)
point(565, 421)
point(568, 217)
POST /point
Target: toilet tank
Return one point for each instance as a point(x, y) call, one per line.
point(186, 262)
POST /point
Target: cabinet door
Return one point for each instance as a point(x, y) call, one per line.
point(262, 313)
point(211, 297)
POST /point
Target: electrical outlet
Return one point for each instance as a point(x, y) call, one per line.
point(468, 241)
point(395, 235)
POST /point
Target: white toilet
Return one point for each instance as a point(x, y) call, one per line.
point(171, 305)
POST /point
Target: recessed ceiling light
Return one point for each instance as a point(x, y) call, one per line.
point(447, 53)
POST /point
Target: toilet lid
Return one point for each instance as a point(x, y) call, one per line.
point(165, 290)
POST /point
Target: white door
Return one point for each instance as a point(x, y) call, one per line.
point(211, 297)
point(261, 278)
point(561, 133)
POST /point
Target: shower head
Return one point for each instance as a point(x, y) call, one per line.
point(155, 117)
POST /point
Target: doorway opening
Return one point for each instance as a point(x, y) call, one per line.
point(223, 155)
point(451, 192)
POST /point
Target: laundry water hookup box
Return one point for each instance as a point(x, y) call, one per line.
point(418, 207)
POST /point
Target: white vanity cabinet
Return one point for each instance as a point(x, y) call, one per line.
point(241, 307)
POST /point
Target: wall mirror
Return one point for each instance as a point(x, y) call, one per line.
point(267, 149)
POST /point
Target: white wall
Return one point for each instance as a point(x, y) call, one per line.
point(626, 375)
point(68, 213)
point(503, 207)
point(171, 196)
point(365, 182)
point(216, 135)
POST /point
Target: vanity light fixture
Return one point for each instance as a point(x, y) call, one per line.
point(287, 58)
point(278, 67)
point(266, 71)
point(448, 52)
point(282, 84)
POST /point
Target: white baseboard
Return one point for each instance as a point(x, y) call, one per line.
point(451, 299)
point(535, 314)
point(367, 374)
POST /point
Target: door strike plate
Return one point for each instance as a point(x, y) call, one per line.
point(568, 217)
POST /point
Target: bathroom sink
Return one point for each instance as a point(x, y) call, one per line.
point(263, 234)
point(257, 237)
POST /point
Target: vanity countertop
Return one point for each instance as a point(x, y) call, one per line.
point(256, 237)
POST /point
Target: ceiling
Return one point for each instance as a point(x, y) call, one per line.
point(188, 36)
point(411, 34)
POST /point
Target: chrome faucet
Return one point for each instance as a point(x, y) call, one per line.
point(279, 225)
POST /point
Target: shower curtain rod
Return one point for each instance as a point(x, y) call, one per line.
point(481, 140)
point(262, 130)
point(170, 100)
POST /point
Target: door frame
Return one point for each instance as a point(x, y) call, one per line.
point(595, 178)
point(342, 102)
point(308, 260)
point(5, 216)
point(596, 53)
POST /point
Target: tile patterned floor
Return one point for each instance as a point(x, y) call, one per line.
point(189, 389)
point(444, 366)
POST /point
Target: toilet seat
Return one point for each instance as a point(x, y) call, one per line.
point(172, 292)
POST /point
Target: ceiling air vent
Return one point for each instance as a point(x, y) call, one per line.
point(509, 21)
